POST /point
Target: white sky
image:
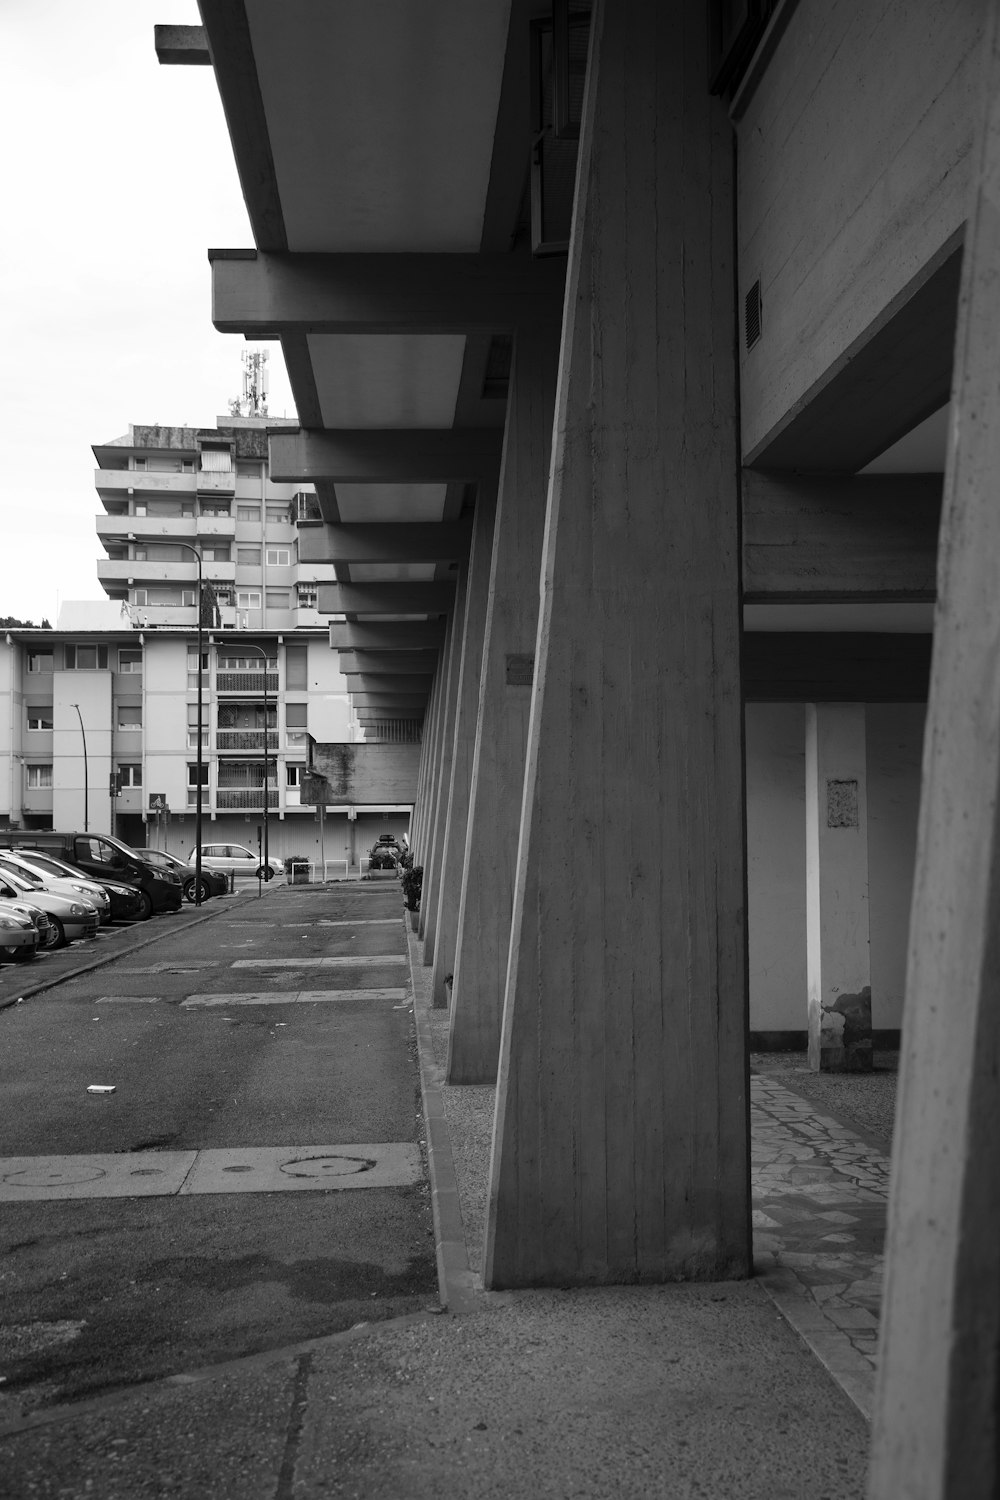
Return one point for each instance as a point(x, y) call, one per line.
point(118, 177)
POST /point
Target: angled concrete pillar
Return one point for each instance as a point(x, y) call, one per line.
point(441, 772)
point(936, 1433)
point(466, 717)
point(487, 894)
point(838, 951)
point(426, 752)
point(439, 693)
point(621, 1151)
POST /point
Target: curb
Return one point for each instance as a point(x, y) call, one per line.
point(457, 1284)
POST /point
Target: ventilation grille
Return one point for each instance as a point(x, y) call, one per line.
point(753, 314)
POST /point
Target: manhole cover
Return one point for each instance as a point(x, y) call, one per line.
point(55, 1176)
point(327, 1166)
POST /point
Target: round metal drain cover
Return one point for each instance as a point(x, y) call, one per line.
point(327, 1166)
point(61, 1176)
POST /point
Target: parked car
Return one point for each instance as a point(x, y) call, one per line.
point(71, 919)
point(19, 936)
point(47, 935)
point(236, 858)
point(108, 858)
point(125, 899)
point(385, 853)
point(213, 882)
point(62, 885)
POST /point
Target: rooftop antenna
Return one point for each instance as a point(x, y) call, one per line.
point(253, 402)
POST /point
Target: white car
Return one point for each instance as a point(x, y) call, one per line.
point(235, 859)
point(71, 919)
point(62, 885)
point(19, 936)
point(39, 920)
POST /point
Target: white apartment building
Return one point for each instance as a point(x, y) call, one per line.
point(99, 725)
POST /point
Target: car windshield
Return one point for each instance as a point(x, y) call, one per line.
point(19, 878)
point(46, 863)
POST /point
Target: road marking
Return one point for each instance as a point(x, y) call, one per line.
point(254, 1169)
point(127, 1000)
point(347, 922)
point(369, 959)
point(288, 997)
point(178, 966)
point(251, 924)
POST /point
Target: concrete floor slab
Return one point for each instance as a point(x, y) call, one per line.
point(140, 1174)
point(288, 997)
point(285, 1169)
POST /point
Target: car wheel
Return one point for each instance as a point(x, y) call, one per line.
point(145, 908)
point(56, 935)
point(201, 896)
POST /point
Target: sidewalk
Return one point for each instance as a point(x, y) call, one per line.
point(685, 1392)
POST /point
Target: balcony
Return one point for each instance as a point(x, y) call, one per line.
point(223, 483)
point(165, 529)
point(118, 484)
point(244, 739)
point(245, 682)
point(146, 572)
point(243, 799)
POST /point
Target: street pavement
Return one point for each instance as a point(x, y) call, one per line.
point(255, 1177)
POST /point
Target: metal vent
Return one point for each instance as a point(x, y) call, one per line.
point(753, 314)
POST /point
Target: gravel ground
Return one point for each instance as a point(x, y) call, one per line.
point(865, 1101)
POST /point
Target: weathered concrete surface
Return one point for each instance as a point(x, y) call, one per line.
point(490, 853)
point(359, 773)
point(441, 769)
point(937, 1429)
point(621, 1151)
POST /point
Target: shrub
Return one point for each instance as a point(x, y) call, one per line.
point(412, 881)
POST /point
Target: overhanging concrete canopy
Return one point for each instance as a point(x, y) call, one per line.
point(385, 598)
point(407, 635)
point(414, 455)
point(400, 542)
point(353, 663)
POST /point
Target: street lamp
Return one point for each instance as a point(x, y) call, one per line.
point(86, 779)
point(188, 547)
point(259, 650)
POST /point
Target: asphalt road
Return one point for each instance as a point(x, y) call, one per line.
point(253, 1029)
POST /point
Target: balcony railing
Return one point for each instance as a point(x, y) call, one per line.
point(244, 739)
point(239, 799)
point(245, 682)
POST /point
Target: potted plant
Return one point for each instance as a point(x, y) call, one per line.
point(411, 882)
point(297, 869)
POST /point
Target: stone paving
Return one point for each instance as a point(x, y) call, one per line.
point(819, 1211)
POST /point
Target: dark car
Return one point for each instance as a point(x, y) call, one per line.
point(125, 900)
point(103, 855)
point(213, 883)
point(385, 853)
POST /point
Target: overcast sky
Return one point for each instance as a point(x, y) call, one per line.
point(119, 176)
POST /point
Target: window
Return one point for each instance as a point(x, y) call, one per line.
point(192, 661)
point(192, 719)
point(247, 663)
point(39, 661)
point(216, 461)
point(295, 723)
point(187, 507)
point(296, 667)
point(248, 598)
point(308, 596)
point(307, 507)
point(279, 513)
point(129, 660)
point(248, 512)
point(188, 597)
point(86, 658)
point(39, 718)
point(276, 598)
point(193, 775)
point(294, 772)
point(130, 775)
point(140, 507)
point(278, 557)
point(139, 596)
point(187, 465)
point(217, 509)
point(139, 554)
point(39, 777)
point(139, 463)
point(218, 553)
point(129, 716)
point(248, 557)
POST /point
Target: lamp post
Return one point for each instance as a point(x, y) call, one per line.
point(260, 651)
point(189, 547)
point(86, 777)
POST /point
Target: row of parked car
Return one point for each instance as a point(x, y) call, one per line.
point(56, 888)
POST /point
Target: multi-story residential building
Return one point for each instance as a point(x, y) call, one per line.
point(166, 490)
point(99, 730)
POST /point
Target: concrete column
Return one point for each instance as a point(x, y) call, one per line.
point(936, 1432)
point(430, 890)
point(426, 743)
point(838, 953)
point(490, 855)
point(466, 717)
point(439, 693)
point(621, 1150)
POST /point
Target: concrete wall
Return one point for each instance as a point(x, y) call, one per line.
point(853, 171)
point(359, 773)
point(92, 691)
point(775, 748)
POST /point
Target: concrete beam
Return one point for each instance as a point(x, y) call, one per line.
point(385, 598)
point(406, 635)
point(265, 296)
point(857, 538)
point(391, 542)
point(407, 456)
point(182, 46)
point(366, 663)
point(835, 667)
point(402, 703)
point(411, 685)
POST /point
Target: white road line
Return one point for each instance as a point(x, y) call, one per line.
point(251, 1169)
point(344, 961)
point(127, 1000)
point(348, 922)
point(287, 997)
